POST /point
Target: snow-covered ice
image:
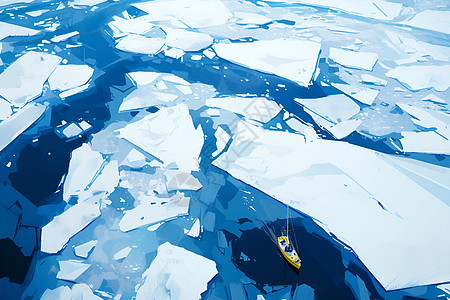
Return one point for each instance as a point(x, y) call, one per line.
point(351, 59)
point(436, 20)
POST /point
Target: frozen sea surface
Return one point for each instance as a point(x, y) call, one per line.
point(148, 149)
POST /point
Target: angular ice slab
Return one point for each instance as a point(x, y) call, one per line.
point(148, 213)
point(57, 233)
point(84, 249)
point(16, 124)
point(66, 77)
point(7, 29)
point(250, 18)
point(356, 60)
point(187, 40)
point(195, 229)
point(416, 78)
point(176, 274)
point(177, 180)
point(24, 79)
point(193, 13)
point(292, 59)
point(424, 142)
point(71, 269)
point(366, 96)
point(401, 227)
point(141, 44)
point(436, 20)
point(255, 108)
point(169, 135)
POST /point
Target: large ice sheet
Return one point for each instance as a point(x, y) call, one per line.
point(153, 210)
point(66, 77)
point(193, 13)
point(187, 40)
point(400, 225)
point(436, 20)
point(24, 79)
point(356, 60)
point(57, 233)
point(424, 142)
point(292, 59)
point(176, 274)
point(14, 125)
point(7, 29)
point(416, 78)
point(169, 135)
point(254, 108)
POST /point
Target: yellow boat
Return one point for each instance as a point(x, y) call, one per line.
point(287, 249)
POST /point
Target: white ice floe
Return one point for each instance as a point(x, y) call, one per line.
point(77, 3)
point(195, 229)
point(143, 78)
point(74, 91)
point(169, 135)
point(36, 13)
point(222, 138)
point(424, 142)
point(134, 159)
point(141, 44)
point(436, 20)
point(66, 77)
point(71, 269)
point(434, 98)
point(375, 9)
point(176, 274)
point(343, 129)
point(251, 18)
point(334, 108)
point(292, 59)
point(152, 210)
point(72, 130)
point(64, 37)
point(61, 292)
point(17, 123)
point(7, 29)
point(344, 187)
point(193, 13)
point(421, 77)
point(121, 26)
point(187, 40)
point(84, 161)
point(174, 53)
point(369, 79)
point(24, 79)
point(78, 292)
point(121, 254)
point(254, 108)
point(57, 233)
point(84, 249)
point(351, 59)
point(366, 96)
point(177, 180)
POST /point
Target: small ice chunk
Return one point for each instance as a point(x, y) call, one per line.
point(161, 85)
point(187, 40)
point(209, 53)
point(255, 108)
point(66, 77)
point(71, 130)
point(351, 59)
point(177, 180)
point(141, 44)
point(143, 78)
point(174, 53)
point(169, 135)
point(366, 96)
point(73, 91)
point(154, 226)
point(24, 79)
point(147, 213)
point(122, 253)
point(139, 25)
point(343, 129)
point(186, 90)
point(213, 112)
point(222, 138)
point(292, 59)
point(251, 18)
point(134, 159)
point(57, 233)
point(424, 142)
point(17, 123)
point(84, 249)
point(77, 3)
point(176, 273)
point(195, 229)
point(36, 13)
point(435, 20)
point(7, 29)
point(82, 292)
point(366, 78)
point(64, 37)
point(434, 98)
point(71, 269)
point(421, 77)
point(334, 108)
point(61, 292)
point(193, 13)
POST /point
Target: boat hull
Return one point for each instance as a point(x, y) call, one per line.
point(290, 256)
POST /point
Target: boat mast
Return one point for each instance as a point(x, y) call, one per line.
point(287, 220)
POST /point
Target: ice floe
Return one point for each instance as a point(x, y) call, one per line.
point(195, 14)
point(84, 249)
point(253, 108)
point(424, 142)
point(7, 29)
point(436, 20)
point(174, 139)
point(251, 18)
point(222, 138)
point(66, 77)
point(357, 188)
point(187, 40)
point(422, 77)
point(141, 44)
point(122, 254)
point(351, 59)
point(293, 59)
point(177, 180)
point(153, 210)
point(24, 79)
point(366, 96)
point(57, 233)
point(64, 37)
point(369, 79)
point(176, 273)
point(195, 229)
point(71, 269)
